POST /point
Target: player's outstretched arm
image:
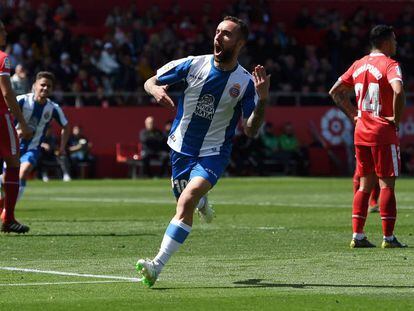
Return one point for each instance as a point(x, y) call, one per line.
point(159, 92)
point(262, 84)
point(340, 94)
point(10, 99)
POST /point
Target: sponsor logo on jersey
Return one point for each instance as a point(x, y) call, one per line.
point(235, 90)
point(205, 107)
point(7, 64)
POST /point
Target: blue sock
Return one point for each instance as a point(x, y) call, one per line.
point(174, 236)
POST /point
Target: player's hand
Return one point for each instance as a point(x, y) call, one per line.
point(161, 96)
point(24, 132)
point(261, 82)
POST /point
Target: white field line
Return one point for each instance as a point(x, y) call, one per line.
point(221, 202)
point(96, 276)
point(152, 201)
point(60, 283)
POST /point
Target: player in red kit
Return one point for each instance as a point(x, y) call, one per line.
point(377, 82)
point(9, 144)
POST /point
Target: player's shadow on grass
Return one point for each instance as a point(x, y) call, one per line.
point(257, 283)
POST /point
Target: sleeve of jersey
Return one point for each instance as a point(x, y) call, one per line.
point(346, 78)
point(5, 66)
point(394, 72)
point(174, 71)
point(249, 100)
point(59, 116)
point(20, 101)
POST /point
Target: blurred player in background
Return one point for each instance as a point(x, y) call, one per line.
point(9, 144)
point(38, 111)
point(219, 91)
point(377, 81)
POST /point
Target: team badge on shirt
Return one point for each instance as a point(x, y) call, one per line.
point(235, 90)
point(398, 71)
point(205, 107)
point(46, 116)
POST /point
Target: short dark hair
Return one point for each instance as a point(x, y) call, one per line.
point(244, 29)
point(379, 34)
point(47, 75)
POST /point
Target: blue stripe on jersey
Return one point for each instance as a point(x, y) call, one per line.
point(32, 124)
point(198, 127)
point(227, 145)
point(55, 115)
point(176, 233)
point(248, 104)
point(176, 74)
point(179, 115)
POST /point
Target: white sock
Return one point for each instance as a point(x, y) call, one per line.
point(358, 236)
point(174, 236)
point(22, 187)
point(389, 238)
point(201, 203)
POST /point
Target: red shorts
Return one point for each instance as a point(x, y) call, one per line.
point(9, 144)
point(383, 160)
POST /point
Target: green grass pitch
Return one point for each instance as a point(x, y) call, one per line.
point(276, 244)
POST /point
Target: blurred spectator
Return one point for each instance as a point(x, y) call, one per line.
point(107, 61)
point(290, 151)
point(80, 155)
point(19, 81)
point(66, 71)
point(152, 142)
point(49, 160)
point(269, 140)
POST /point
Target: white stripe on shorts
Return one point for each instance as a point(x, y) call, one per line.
point(394, 159)
point(11, 135)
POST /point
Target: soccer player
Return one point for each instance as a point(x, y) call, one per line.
point(377, 82)
point(38, 111)
point(218, 92)
point(9, 144)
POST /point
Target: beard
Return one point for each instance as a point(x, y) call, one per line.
point(225, 56)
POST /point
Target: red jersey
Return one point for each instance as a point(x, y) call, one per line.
point(4, 70)
point(371, 77)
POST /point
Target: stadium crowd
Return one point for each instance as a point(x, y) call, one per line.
point(134, 44)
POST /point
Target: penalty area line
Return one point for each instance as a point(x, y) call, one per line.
point(85, 275)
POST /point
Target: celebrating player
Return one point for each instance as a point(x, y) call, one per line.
point(218, 91)
point(38, 111)
point(9, 144)
point(377, 81)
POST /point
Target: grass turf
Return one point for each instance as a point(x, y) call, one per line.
point(276, 244)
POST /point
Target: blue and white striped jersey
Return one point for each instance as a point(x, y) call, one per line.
point(210, 107)
point(38, 117)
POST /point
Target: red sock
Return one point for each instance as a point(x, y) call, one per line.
point(388, 210)
point(359, 211)
point(11, 190)
point(374, 195)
